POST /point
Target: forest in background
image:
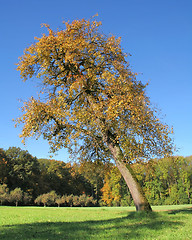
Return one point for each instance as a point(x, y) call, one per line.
point(51, 182)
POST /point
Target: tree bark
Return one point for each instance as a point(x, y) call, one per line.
point(140, 201)
point(137, 193)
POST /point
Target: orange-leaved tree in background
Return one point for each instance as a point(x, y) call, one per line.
point(91, 102)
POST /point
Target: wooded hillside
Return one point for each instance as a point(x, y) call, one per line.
point(165, 181)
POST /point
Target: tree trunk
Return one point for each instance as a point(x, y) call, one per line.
point(109, 138)
point(140, 201)
point(135, 189)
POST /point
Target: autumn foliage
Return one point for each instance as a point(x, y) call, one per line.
point(78, 61)
point(51, 182)
point(91, 102)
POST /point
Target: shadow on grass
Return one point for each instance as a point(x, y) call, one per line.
point(133, 226)
point(183, 211)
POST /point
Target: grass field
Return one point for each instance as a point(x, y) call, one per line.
point(165, 222)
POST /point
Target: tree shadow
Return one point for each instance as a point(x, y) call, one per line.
point(184, 210)
point(133, 226)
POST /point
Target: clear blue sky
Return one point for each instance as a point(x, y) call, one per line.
point(158, 35)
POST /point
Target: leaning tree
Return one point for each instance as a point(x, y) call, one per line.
point(91, 102)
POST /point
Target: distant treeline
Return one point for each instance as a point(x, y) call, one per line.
point(164, 181)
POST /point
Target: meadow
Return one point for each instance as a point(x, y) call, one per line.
point(42, 223)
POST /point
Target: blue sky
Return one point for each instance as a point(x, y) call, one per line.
point(158, 35)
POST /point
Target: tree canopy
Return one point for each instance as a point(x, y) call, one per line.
point(90, 102)
point(85, 77)
point(22, 169)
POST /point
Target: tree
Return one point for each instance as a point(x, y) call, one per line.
point(91, 102)
point(94, 172)
point(69, 200)
point(4, 193)
point(47, 198)
point(86, 201)
point(38, 200)
point(115, 191)
point(79, 184)
point(3, 167)
point(26, 198)
point(16, 196)
point(60, 200)
point(107, 196)
point(54, 176)
point(23, 169)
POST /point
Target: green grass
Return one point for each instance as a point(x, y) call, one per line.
point(165, 222)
